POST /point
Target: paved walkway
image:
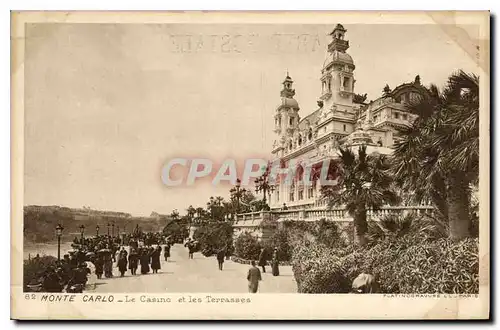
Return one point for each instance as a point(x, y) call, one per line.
point(200, 274)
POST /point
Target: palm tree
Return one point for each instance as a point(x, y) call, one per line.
point(415, 162)
point(174, 215)
point(438, 156)
point(364, 182)
point(190, 215)
point(201, 213)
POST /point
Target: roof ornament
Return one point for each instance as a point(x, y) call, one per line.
point(387, 90)
point(417, 80)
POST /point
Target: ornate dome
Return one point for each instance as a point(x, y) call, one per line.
point(287, 102)
point(337, 56)
point(359, 136)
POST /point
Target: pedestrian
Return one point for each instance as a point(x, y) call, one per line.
point(155, 259)
point(365, 283)
point(262, 259)
point(220, 257)
point(99, 266)
point(122, 263)
point(108, 264)
point(133, 260)
point(253, 278)
point(192, 247)
point(275, 263)
point(144, 261)
point(166, 251)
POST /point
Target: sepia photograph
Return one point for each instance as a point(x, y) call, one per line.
point(218, 160)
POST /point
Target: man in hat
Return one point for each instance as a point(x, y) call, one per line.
point(253, 278)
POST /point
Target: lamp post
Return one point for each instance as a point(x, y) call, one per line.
point(82, 230)
point(97, 230)
point(262, 184)
point(236, 193)
point(59, 230)
point(113, 232)
point(108, 228)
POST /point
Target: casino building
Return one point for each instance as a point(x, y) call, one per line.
point(342, 118)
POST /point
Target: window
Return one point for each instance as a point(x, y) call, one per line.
point(291, 121)
point(345, 128)
point(375, 118)
point(300, 140)
point(346, 83)
point(405, 117)
point(277, 195)
point(310, 135)
point(301, 195)
point(291, 196)
point(396, 115)
point(310, 191)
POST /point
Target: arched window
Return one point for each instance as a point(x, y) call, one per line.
point(300, 140)
point(300, 173)
point(310, 134)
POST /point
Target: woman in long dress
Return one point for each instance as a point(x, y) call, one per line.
point(99, 266)
point(108, 265)
point(155, 259)
point(166, 251)
point(145, 261)
point(275, 263)
point(133, 260)
point(122, 263)
point(262, 260)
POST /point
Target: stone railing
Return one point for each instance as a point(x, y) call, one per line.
point(315, 214)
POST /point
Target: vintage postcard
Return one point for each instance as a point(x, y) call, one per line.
point(260, 165)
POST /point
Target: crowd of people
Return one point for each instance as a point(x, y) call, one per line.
point(94, 257)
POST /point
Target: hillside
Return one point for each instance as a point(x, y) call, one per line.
point(40, 222)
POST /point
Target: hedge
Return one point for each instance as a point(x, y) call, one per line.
point(214, 236)
point(409, 264)
point(34, 268)
point(247, 246)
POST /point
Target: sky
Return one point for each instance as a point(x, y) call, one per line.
point(106, 105)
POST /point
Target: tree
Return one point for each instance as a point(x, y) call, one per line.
point(364, 182)
point(190, 211)
point(438, 156)
point(215, 208)
point(174, 215)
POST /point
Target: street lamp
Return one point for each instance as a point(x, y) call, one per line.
point(262, 184)
point(59, 230)
point(113, 229)
point(108, 228)
point(82, 230)
point(237, 192)
point(97, 230)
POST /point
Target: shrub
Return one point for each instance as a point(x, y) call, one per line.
point(247, 247)
point(214, 236)
point(408, 264)
point(33, 269)
point(280, 239)
point(317, 269)
point(329, 233)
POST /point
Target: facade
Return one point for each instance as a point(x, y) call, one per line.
point(342, 118)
